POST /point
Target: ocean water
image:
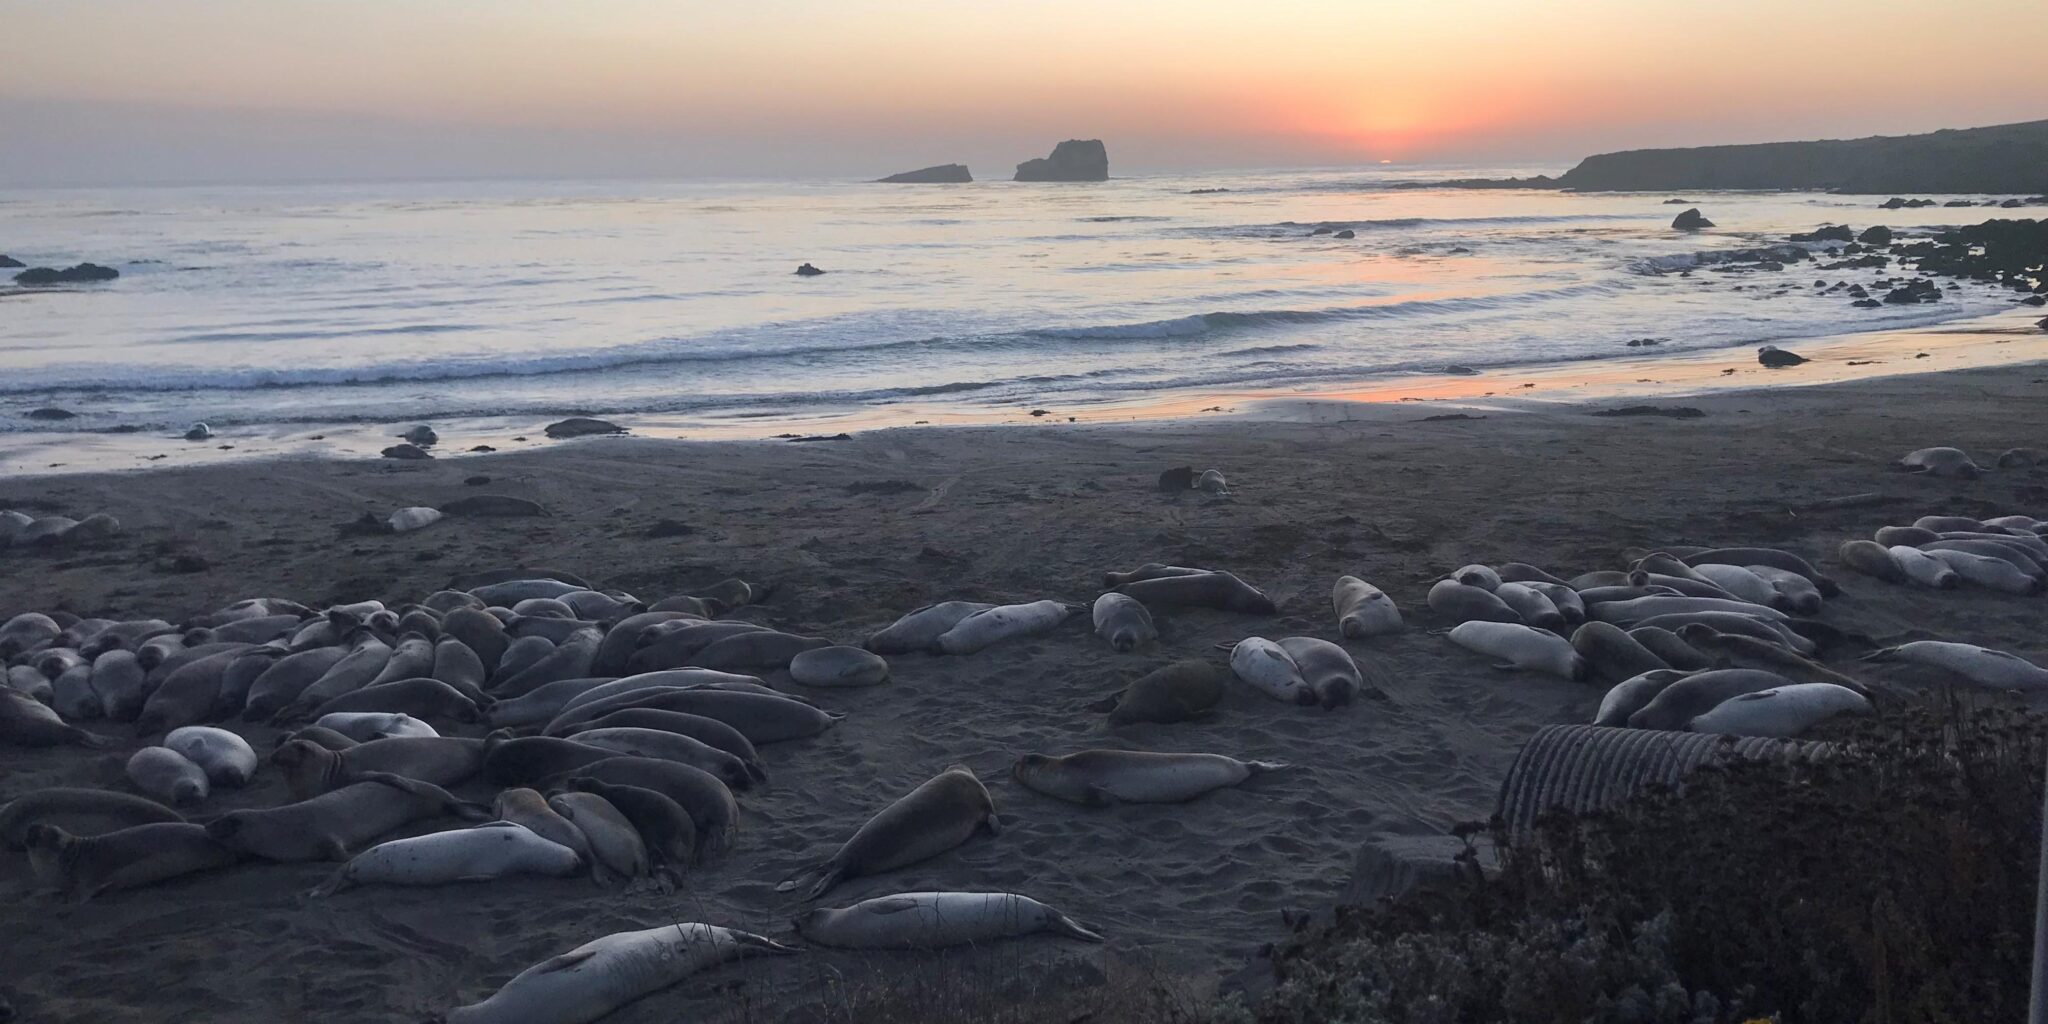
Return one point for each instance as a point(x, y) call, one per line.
point(403, 302)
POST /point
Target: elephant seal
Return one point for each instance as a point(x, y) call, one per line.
point(1733, 650)
point(1149, 571)
point(1363, 610)
point(227, 759)
point(31, 681)
point(1631, 695)
point(1990, 573)
point(281, 683)
point(1101, 778)
point(706, 800)
point(1632, 613)
point(936, 920)
point(917, 630)
point(1743, 584)
point(528, 808)
point(1783, 712)
point(765, 649)
point(1530, 604)
point(1328, 669)
point(506, 593)
point(1267, 668)
point(118, 679)
point(1912, 536)
point(1768, 556)
point(540, 706)
point(1003, 622)
point(943, 813)
point(759, 717)
point(498, 849)
point(420, 698)
point(26, 632)
point(187, 694)
point(1980, 665)
point(364, 726)
point(1731, 622)
point(364, 662)
point(311, 769)
point(1613, 654)
point(671, 746)
point(1871, 559)
point(676, 644)
point(1523, 572)
point(666, 830)
point(570, 658)
point(594, 979)
point(1696, 694)
point(168, 775)
point(481, 632)
point(81, 812)
point(709, 731)
point(1567, 601)
point(1123, 621)
point(839, 666)
point(1180, 692)
point(327, 826)
point(617, 852)
point(1482, 576)
point(623, 638)
point(1517, 646)
point(1800, 596)
point(526, 760)
point(458, 666)
point(1219, 590)
point(1464, 602)
point(1940, 462)
point(83, 867)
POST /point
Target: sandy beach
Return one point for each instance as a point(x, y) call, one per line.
point(853, 533)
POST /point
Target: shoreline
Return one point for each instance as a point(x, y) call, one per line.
point(2004, 338)
point(854, 534)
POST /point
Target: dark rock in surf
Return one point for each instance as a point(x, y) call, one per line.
point(808, 271)
point(584, 426)
point(1829, 233)
point(1866, 304)
point(1876, 234)
point(1072, 160)
point(84, 273)
point(52, 413)
point(1691, 220)
point(1777, 358)
point(941, 174)
point(2035, 300)
point(10, 262)
point(1347, 233)
point(1179, 478)
point(406, 451)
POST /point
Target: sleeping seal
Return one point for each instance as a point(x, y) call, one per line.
point(1178, 692)
point(1521, 647)
point(1631, 695)
point(1613, 654)
point(28, 722)
point(1123, 621)
point(598, 977)
point(1872, 559)
point(1772, 557)
point(1218, 590)
point(1530, 604)
point(944, 812)
point(311, 769)
point(1784, 712)
point(838, 666)
point(1980, 665)
point(1464, 602)
point(364, 726)
point(1327, 669)
point(83, 867)
point(325, 827)
point(1267, 668)
point(672, 746)
point(167, 775)
point(617, 852)
point(935, 920)
point(706, 800)
point(983, 629)
point(1363, 610)
point(527, 808)
point(1696, 694)
point(917, 630)
point(227, 759)
point(81, 812)
point(666, 830)
point(498, 849)
point(1100, 778)
point(1990, 573)
point(1940, 462)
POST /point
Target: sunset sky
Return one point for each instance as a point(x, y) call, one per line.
point(96, 91)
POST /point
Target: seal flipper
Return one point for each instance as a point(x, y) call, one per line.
point(335, 883)
point(798, 879)
point(1106, 704)
point(889, 905)
point(1260, 767)
point(561, 963)
point(1061, 924)
point(826, 880)
point(993, 824)
point(1099, 797)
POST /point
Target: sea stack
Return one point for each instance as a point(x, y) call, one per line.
point(1691, 220)
point(943, 174)
point(1072, 160)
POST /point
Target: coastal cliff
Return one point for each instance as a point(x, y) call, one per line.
point(2009, 158)
point(1072, 160)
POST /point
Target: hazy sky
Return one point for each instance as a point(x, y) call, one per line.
point(98, 91)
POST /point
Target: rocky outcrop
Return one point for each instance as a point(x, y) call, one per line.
point(2009, 158)
point(943, 174)
point(1691, 220)
point(1876, 234)
point(84, 273)
point(808, 271)
point(1072, 160)
point(10, 262)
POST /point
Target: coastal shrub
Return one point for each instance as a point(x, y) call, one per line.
point(1892, 881)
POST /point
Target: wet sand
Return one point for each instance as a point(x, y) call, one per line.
point(854, 533)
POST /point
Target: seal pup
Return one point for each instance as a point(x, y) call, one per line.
point(1784, 712)
point(529, 809)
point(936, 920)
point(984, 629)
point(616, 849)
point(666, 830)
point(1530, 604)
point(569, 659)
point(311, 769)
point(1475, 575)
point(917, 629)
point(594, 979)
point(1363, 610)
point(1180, 692)
point(1327, 668)
point(1698, 693)
point(1614, 655)
point(943, 813)
point(1772, 557)
point(1980, 665)
point(1123, 621)
point(493, 850)
point(1871, 559)
point(1211, 482)
point(1798, 594)
point(1990, 573)
point(81, 812)
point(167, 775)
point(1267, 668)
point(1517, 646)
point(227, 759)
point(318, 735)
point(327, 826)
point(1102, 778)
point(31, 682)
point(481, 632)
point(281, 683)
point(187, 695)
point(1743, 584)
point(1219, 590)
point(1464, 602)
point(707, 801)
point(458, 666)
point(26, 632)
point(80, 867)
point(1631, 695)
point(838, 666)
point(1567, 601)
point(364, 726)
point(506, 593)
point(1940, 462)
